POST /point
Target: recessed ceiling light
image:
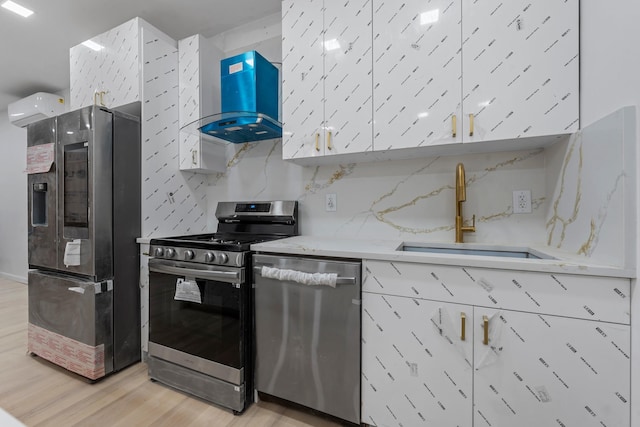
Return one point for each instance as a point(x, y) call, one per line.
point(93, 45)
point(16, 8)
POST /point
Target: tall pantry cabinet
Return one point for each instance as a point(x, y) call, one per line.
point(139, 63)
point(137, 66)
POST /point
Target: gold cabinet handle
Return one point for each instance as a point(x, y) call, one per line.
point(317, 142)
point(485, 324)
point(471, 117)
point(463, 322)
point(329, 140)
point(454, 125)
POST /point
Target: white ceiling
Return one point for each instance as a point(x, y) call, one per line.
point(34, 51)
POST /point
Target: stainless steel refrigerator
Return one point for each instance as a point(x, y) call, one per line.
point(84, 217)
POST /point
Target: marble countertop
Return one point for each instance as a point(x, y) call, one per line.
point(386, 250)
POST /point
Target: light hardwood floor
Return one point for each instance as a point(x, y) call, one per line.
point(40, 394)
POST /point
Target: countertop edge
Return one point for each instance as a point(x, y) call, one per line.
point(385, 250)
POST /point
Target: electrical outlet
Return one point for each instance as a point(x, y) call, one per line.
point(331, 203)
point(522, 201)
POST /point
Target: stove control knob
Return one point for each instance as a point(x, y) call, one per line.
point(209, 257)
point(223, 258)
point(170, 253)
point(188, 254)
point(158, 252)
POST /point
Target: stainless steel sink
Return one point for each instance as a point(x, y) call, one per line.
point(480, 250)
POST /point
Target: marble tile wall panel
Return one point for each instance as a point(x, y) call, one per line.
point(173, 202)
point(591, 188)
point(408, 199)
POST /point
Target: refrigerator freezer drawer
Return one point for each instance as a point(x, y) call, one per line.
point(70, 322)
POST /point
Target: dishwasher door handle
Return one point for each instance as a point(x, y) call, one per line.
point(339, 280)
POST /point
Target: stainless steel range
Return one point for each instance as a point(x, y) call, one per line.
point(201, 302)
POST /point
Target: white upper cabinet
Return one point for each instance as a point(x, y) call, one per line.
point(417, 73)
point(347, 76)
point(302, 78)
point(373, 77)
point(199, 82)
point(474, 71)
point(326, 78)
point(520, 68)
point(108, 73)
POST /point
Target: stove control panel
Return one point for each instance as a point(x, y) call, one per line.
point(204, 256)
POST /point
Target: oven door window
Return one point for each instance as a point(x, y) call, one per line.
point(211, 329)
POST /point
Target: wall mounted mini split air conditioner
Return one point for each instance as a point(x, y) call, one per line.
point(35, 107)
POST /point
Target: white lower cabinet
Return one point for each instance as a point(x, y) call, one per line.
point(539, 370)
point(411, 374)
point(434, 362)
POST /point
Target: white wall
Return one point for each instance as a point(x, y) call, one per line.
point(13, 200)
point(610, 79)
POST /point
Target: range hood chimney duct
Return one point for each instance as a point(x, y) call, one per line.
point(249, 100)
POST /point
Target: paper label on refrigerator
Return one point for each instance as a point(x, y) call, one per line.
point(40, 158)
point(72, 252)
point(187, 290)
point(234, 68)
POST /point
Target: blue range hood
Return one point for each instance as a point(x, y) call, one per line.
point(249, 98)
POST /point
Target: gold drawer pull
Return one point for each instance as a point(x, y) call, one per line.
point(485, 321)
point(329, 141)
point(317, 142)
point(471, 117)
point(463, 322)
point(454, 125)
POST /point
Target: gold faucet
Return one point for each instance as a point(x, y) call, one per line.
point(461, 196)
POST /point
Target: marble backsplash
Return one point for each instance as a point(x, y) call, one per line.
point(583, 193)
point(592, 191)
point(411, 200)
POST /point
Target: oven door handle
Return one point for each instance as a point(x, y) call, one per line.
point(160, 267)
point(339, 280)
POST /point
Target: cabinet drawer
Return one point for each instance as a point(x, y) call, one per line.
point(569, 295)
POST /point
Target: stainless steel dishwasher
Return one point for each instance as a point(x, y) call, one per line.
point(308, 335)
